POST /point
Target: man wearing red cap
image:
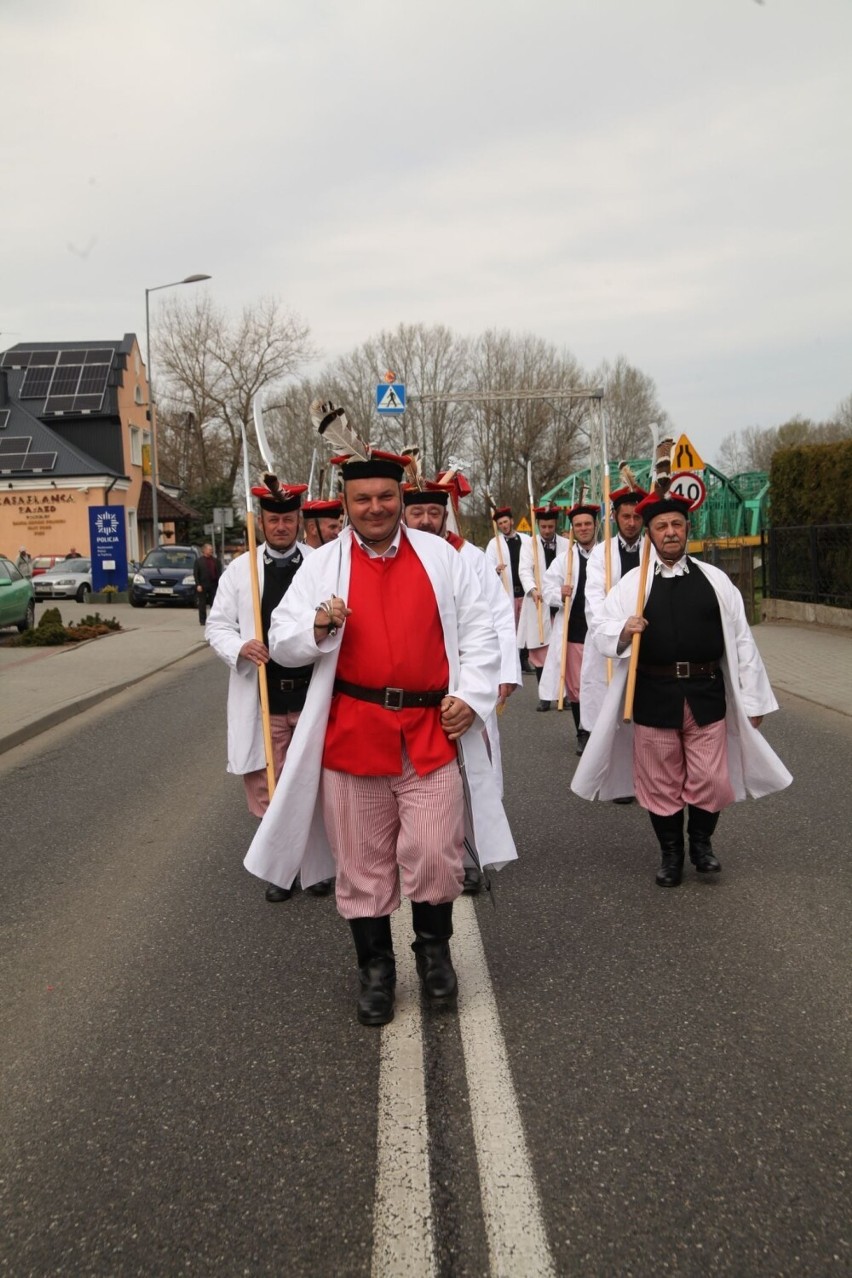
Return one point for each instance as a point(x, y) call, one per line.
point(322, 521)
point(583, 518)
point(625, 549)
point(507, 565)
point(231, 633)
point(701, 694)
point(427, 508)
point(548, 545)
point(406, 668)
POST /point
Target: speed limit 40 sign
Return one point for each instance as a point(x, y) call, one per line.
point(691, 486)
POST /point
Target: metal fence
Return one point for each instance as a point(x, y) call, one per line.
point(742, 563)
point(809, 565)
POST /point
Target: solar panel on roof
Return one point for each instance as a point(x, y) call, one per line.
point(16, 359)
point(44, 358)
point(37, 462)
point(94, 379)
point(88, 403)
point(60, 404)
point(66, 380)
point(10, 462)
point(15, 443)
point(72, 357)
point(100, 355)
point(4, 418)
point(36, 382)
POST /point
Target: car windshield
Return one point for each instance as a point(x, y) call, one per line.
point(43, 561)
point(69, 565)
point(183, 559)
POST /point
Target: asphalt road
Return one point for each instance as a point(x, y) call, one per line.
point(185, 1089)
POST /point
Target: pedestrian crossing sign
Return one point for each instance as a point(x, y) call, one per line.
point(685, 456)
point(390, 399)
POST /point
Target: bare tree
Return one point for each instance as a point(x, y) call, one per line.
point(212, 368)
point(631, 407)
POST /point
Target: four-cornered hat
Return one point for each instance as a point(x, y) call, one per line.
point(584, 508)
point(663, 504)
point(547, 512)
point(502, 512)
point(330, 509)
point(627, 497)
point(425, 494)
point(281, 498)
point(378, 465)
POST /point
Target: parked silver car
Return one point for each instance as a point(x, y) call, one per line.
point(69, 579)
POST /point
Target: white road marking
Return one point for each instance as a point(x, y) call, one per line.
point(514, 1224)
point(403, 1231)
point(403, 1235)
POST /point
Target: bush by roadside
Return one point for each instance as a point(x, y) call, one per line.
point(51, 633)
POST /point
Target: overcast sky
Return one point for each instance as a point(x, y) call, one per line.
point(665, 179)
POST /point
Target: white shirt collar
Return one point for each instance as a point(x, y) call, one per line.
point(680, 569)
point(630, 548)
point(385, 554)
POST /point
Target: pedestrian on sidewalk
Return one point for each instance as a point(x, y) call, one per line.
point(407, 668)
point(701, 695)
point(207, 572)
point(231, 635)
point(25, 563)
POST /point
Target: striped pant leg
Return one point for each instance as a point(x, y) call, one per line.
point(708, 782)
point(430, 847)
point(659, 769)
point(257, 789)
point(538, 656)
point(362, 821)
point(517, 603)
point(572, 671)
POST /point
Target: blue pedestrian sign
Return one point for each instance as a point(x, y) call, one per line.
point(390, 398)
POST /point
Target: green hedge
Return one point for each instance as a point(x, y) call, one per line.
point(812, 484)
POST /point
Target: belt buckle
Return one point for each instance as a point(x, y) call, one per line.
point(681, 669)
point(393, 692)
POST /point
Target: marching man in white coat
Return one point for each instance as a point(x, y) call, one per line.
point(427, 508)
point(388, 765)
point(624, 556)
point(503, 554)
point(231, 634)
point(534, 627)
point(701, 694)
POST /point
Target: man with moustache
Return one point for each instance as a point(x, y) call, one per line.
point(406, 671)
point(549, 547)
point(231, 634)
point(510, 543)
point(701, 694)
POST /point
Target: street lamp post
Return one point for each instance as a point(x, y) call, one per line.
point(152, 412)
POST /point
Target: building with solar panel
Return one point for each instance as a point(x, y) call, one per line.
point(74, 433)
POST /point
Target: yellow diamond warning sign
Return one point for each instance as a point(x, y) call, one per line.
point(685, 456)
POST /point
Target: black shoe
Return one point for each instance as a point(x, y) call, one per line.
point(323, 888)
point(433, 927)
point(472, 885)
point(582, 738)
point(276, 893)
point(699, 827)
point(376, 969)
point(543, 705)
point(626, 798)
point(669, 831)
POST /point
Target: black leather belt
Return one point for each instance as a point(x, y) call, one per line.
point(390, 698)
point(682, 669)
point(289, 685)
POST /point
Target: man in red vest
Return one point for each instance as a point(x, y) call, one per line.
point(406, 664)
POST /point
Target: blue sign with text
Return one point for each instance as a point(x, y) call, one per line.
point(108, 541)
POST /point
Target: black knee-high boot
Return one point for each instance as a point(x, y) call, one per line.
point(433, 927)
point(669, 831)
point(582, 734)
point(376, 969)
point(700, 827)
point(542, 705)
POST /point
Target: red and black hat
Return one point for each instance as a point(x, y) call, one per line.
point(430, 494)
point(584, 508)
point(627, 496)
point(378, 465)
point(547, 512)
point(668, 504)
point(280, 500)
point(503, 512)
point(322, 509)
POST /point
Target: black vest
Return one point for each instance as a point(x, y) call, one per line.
point(684, 624)
point(277, 576)
point(577, 624)
point(629, 558)
point(514, 545)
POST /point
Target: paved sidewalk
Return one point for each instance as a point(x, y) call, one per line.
point(40, 687)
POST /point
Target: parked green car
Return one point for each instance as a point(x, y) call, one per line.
point(17, 601)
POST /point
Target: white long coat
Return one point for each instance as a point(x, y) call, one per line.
point(503, 617)
point(551, 589)
point(229, 625)
point(528, 632)
point(606, 769)
point(291, 838)
point(593, 682)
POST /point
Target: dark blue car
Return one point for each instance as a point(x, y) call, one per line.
point(165, 576)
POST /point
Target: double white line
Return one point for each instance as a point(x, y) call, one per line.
point(403, 1227)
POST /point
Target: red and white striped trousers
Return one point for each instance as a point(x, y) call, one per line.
point(381, 826)
point(257, 790)
point(676, 766)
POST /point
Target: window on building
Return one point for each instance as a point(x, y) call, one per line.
point(135, 446)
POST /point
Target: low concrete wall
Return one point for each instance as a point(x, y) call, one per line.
point(810, 614)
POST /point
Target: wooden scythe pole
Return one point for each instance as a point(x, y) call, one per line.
point(263, 688)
